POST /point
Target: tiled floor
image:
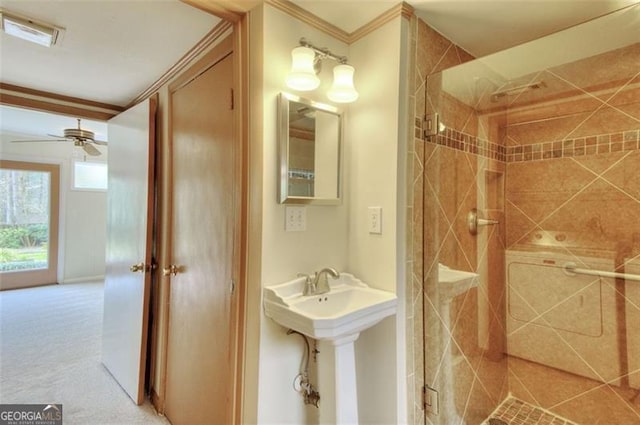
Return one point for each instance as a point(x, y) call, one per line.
point(517, 412)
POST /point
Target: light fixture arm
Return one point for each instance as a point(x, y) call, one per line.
point(323, 52)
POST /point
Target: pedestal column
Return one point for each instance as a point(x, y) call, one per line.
point(342, 408)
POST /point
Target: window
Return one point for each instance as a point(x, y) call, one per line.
point(29, 195)
point(89, 175)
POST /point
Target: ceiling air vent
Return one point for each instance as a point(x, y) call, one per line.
point(30, 30)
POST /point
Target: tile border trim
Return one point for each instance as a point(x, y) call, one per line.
point(583, 146)
point(467, 143)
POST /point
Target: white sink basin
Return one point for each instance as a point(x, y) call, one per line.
point(349, 308)
point(454, 282)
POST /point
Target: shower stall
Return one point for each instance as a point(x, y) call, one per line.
point(541, 143)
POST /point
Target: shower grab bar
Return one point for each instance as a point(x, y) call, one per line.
point(570, 268)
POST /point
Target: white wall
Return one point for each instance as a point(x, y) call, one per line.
point(82, 233)
point(376, 135)
point(284, 254)
point(336, 236)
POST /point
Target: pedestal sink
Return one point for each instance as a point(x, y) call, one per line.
point(451, 283)
point(338, 316)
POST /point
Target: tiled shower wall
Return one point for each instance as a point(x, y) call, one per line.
point(573, 173)
point(567, 163)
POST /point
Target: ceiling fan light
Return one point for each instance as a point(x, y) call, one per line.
point(28, 30)
point(342, 90)
point(78, 133)
point(303, 75)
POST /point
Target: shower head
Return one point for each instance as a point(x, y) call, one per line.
point(499, 94)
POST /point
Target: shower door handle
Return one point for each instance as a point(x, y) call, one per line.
point(486, 222)
point(473, 221)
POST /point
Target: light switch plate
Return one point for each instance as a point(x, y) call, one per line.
point(296, 219)
point(375, 220)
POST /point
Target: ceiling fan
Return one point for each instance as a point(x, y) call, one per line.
point(79, 137)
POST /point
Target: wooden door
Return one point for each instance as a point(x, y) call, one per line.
point(129, 252)
point(202, 328)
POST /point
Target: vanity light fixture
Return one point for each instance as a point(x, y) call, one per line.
point(30, 30)
point(303, 75)
point(306, 61)
point(342, 90)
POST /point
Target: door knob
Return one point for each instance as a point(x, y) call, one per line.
point(172, 270)
point(140, 267)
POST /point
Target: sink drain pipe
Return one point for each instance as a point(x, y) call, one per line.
point(301, 382)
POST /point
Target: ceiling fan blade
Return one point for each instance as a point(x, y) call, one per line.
point(43, 140)
point(101, 142)
point(56, 136)
point(91, 150)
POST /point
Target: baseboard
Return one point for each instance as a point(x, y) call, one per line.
point(83, 279)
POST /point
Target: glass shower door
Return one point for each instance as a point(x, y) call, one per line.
point(464, 176)
point(544, 141)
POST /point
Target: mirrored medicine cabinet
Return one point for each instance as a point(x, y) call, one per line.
point(310, 144)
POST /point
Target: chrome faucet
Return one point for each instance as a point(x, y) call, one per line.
point(320, 282)
point(309, 285)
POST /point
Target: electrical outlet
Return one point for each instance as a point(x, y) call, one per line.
point(296, 219)
point(375, 220)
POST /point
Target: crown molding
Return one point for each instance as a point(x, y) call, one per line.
point(229, 10)
point(217, 33)
point(401, 9)
point(309, 18)
point(24, 97)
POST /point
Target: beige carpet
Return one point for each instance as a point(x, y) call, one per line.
point(50, 341)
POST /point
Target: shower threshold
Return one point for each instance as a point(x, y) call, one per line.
point(513, 411)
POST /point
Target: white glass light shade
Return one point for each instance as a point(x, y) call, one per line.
point(342, 90)
point(302, 76)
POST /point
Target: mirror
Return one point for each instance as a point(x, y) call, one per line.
point(310, 138)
